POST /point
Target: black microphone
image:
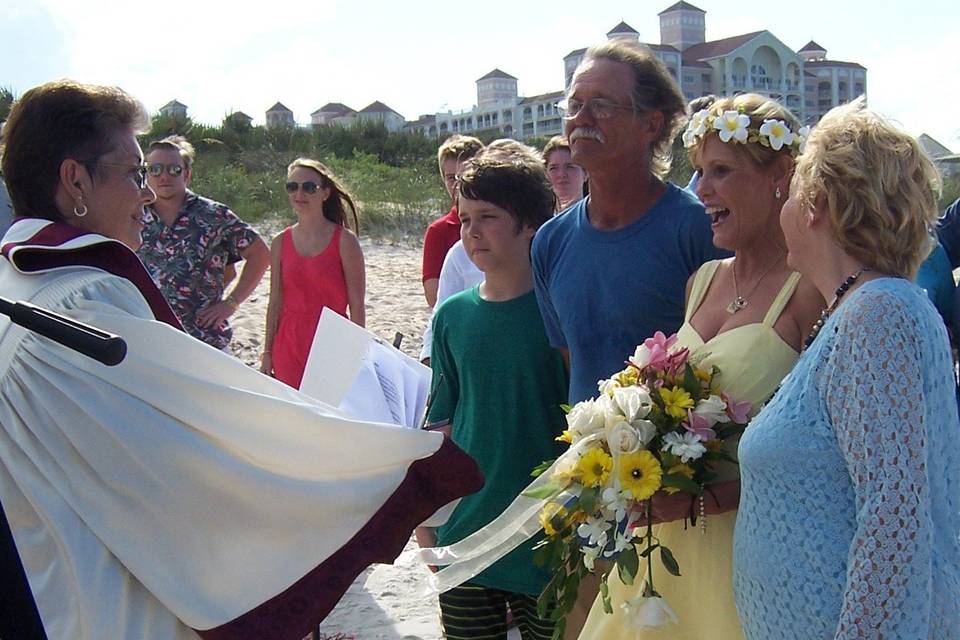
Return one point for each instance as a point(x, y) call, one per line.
point(90, 341)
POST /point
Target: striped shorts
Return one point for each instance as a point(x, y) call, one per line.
point(474, 612)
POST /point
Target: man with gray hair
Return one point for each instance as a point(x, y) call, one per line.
point(612, 270)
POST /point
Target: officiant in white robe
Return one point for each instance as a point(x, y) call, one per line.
point(180, 493)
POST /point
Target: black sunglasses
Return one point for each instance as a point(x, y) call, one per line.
point(308, 187)
point(173, 169)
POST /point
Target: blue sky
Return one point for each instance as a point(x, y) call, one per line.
point(422, 57)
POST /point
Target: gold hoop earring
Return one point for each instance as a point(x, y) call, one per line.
point(80, 210)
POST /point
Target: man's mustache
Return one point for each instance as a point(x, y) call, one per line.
point(587, 133)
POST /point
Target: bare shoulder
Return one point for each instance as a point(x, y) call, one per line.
point(348, 239)
point(805, 305)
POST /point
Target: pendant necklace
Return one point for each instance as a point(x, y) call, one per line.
point(741, 301)
point(842, 289)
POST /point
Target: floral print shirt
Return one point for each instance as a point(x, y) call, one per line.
point(187, 259)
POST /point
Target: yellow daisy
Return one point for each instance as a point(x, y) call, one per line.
point(683, 470)
point(547, 516)
point(676, 401)
point(640, 474)
point(594, 467)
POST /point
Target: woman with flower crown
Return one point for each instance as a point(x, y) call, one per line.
point(747, 316)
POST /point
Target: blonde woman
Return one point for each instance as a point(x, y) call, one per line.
point(850, 497)
point(746, 315)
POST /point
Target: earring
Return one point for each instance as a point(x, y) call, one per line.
point(777, 194)
point(80, 210)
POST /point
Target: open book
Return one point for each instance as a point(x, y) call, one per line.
point(353, 369)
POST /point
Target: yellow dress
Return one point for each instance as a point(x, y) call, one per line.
point(752, 359)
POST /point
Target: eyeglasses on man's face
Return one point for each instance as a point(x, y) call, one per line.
point(597, 108)
point(157, 168)
point(309, 187)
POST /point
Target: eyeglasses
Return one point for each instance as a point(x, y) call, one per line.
point(598, 108)
point(172, 169)
point(309, 187)
point(141, 170)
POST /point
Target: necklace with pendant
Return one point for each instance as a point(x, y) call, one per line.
point(740, 302)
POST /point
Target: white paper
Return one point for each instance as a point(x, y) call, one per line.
point(351, 368)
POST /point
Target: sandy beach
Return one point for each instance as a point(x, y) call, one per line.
point(382, 604)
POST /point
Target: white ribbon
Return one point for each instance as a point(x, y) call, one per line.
point(518, 523)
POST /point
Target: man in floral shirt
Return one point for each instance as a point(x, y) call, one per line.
point(189, 240)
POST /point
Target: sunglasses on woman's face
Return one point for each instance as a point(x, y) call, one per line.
point(173, 169)
point(308, 187)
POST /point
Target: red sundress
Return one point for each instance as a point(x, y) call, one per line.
point(309, 284)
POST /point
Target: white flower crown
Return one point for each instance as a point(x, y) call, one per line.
point(735, 126)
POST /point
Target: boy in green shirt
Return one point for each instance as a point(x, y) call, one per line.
point(500, 384)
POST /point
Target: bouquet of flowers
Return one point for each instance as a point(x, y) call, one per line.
point(657, 425)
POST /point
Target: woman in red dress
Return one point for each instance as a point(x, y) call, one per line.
point(315, 263)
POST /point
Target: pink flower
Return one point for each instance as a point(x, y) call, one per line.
point(654, 352)
point(739, 412)
point(699, 425)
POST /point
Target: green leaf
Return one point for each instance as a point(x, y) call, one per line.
point(588, 499)
point(682, 482)
point(540, 468)
point(691, 383)
point(628, 564)
point(566, 408)
point(605, 595)
point(646, 552)
point(549, 490)
point(669, 562)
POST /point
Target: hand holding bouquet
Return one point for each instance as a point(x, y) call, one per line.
point(657, 428)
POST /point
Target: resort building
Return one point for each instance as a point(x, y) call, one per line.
point(806, 81)
point(280, 116)
point(333, 113)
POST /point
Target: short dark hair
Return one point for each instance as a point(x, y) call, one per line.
point(59, 120)
point(518, 185)
point(654, 89)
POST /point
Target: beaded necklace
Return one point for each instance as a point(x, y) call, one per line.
point(842, 289)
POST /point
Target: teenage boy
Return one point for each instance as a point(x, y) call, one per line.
point(444, 232)
point(499, 384)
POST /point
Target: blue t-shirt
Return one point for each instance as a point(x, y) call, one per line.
point(948, 230)
point(936, 278)
point(601, 293)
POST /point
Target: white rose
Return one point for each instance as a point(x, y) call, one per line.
point(623, 438)
point(713, 409)
point(645, 429)
point(585, 419)
point(608, 386)
point(610, 411)
point(633, 401)
point(641, 357)
point(645, 612)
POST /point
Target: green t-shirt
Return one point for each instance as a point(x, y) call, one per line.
point(502, 388)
